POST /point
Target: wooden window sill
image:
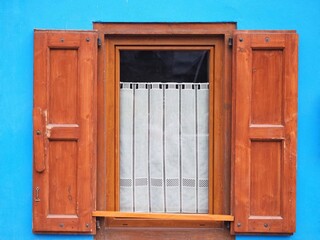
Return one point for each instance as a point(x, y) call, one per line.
point(164, 216)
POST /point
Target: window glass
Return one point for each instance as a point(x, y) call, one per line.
point(178, 66)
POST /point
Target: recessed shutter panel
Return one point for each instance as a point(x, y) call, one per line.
point(64, 131)
point(264, 131)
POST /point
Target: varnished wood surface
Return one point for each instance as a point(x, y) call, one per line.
point(167, 35)
point(165, 28)
point(64, 131)
point(264, 112)
point(165, 216)
point(218, 181)
point(264, 131)
point(166, 234)
point(203, 231)
point(101, 182)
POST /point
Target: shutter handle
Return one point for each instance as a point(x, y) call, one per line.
point(39, 122)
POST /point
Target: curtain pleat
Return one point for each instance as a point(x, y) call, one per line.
point(171, 151)
point(140, 174)
point(202, 147)
point(126, 148)
point(188, 148)
point(156, 149)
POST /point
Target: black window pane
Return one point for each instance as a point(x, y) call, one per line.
point(164, 66)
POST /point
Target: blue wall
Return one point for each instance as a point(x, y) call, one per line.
point(18, 18)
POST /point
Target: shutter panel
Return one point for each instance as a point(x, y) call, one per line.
point(264, 131)
point(64, 131)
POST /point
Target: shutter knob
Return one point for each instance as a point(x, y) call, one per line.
point(38, 132)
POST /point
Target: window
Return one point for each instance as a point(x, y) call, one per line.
point(218, 197)
point(138, 131)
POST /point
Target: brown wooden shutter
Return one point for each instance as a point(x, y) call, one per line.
point(264, 131)
point(64, 131)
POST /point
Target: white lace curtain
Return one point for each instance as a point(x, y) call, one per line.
point(164, 147)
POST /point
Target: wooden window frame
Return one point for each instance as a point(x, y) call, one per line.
point(204, 36)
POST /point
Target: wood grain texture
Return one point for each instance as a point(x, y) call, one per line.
point(63, 197)
point(101, 129)
point(267, 87)
point(166, 234)
point(64, 131)
point(63, 86)
point(264, 131)
point(117, 36)
point(216, 167)
point(165, 28)
point(164, 216)
point(266, 164)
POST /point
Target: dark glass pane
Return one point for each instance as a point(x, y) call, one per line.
point(164, 66)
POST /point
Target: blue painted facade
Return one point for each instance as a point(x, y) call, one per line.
point(18, 18)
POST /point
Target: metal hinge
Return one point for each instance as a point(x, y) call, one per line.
point(99, 42)
point(230, 42)
point(227, 224)
point(98, 224)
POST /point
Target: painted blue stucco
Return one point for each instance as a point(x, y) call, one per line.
point(18, 18)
